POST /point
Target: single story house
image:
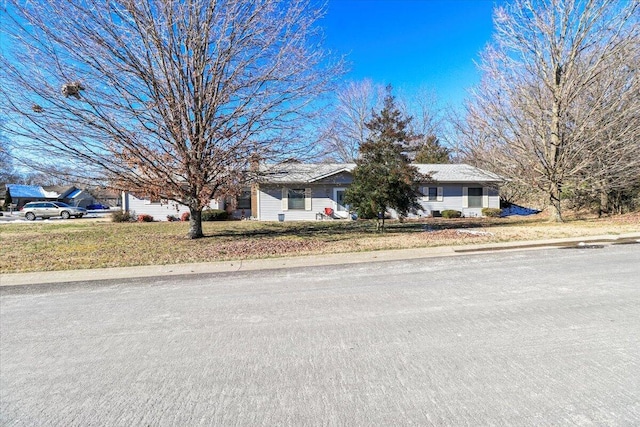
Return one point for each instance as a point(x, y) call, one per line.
point(106, 196)
point(23, 194)
point(302, 191)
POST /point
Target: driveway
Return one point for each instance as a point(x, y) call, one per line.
point(546, 337)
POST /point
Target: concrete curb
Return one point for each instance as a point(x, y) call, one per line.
point(67, 276)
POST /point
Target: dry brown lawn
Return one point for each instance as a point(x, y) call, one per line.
point(84, 243)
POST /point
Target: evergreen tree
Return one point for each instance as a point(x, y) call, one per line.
point(383, 177)
point(7, 200)
point(430, 151)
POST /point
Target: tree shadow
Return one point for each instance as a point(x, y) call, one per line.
point(339, 230)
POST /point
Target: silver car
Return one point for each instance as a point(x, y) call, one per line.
point(33, 210)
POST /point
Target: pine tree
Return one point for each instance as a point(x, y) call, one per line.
point(383, 177)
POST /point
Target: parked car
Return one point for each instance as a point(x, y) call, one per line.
point(33, 210)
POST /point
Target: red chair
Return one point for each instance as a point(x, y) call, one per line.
point(328, 212)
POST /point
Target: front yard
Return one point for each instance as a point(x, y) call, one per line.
point(79, 244)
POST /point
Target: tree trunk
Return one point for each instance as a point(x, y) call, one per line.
point(195, 223)
point(555, 211)
point(603, 203)
point(553, 158)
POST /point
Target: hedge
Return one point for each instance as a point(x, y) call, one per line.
point(491, 212)
point(215, 215)
point(450, 213)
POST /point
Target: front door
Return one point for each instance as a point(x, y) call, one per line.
point(338, 196)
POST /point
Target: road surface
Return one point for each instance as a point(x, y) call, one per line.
point(545, 337)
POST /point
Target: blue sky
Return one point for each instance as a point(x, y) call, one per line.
point(412, 43)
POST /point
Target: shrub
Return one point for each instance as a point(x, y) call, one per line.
point(123, 216)
point(145, 218)
point(491, 212)
point(185, 216)
point(450, 213)
point(172, 218)
point(214, 215)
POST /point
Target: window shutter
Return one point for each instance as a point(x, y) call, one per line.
point(485, 197)
point(285, 198)
point(307, 199)
point(465, 197)
point(440, 194)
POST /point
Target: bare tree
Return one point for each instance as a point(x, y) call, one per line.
point(611, 131)
point(427, 125)
point(346, 128)
point(6, 166)
point(422, 106)
point(166, 98)
point(560, 86)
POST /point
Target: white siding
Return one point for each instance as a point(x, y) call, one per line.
point(449, 196)
point(272, 203)
point(455, 197)
point(159, 211)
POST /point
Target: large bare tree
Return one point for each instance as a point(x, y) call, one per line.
point(559, 93)
point(345, 129)
point(167, 98)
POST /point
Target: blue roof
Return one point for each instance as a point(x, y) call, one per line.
point(26, 191)
point(30, 192)
point(74, 193)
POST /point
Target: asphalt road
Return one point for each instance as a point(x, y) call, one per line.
point(545, 337)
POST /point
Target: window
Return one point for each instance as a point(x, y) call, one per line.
point(244, 200)
point(475, 197)
point(433, 194)
point(296, 198)
point(156, 200)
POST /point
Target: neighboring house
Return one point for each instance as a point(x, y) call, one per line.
point(74, 196)
point(301, 191)
point(79, 197)
point(106, 196)
point(22, 194)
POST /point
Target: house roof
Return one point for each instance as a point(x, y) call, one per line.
point(75, 193)
point(309, 173)
point(30, 192)
point(103, 193)
point(302, 172)
point(458, 173)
